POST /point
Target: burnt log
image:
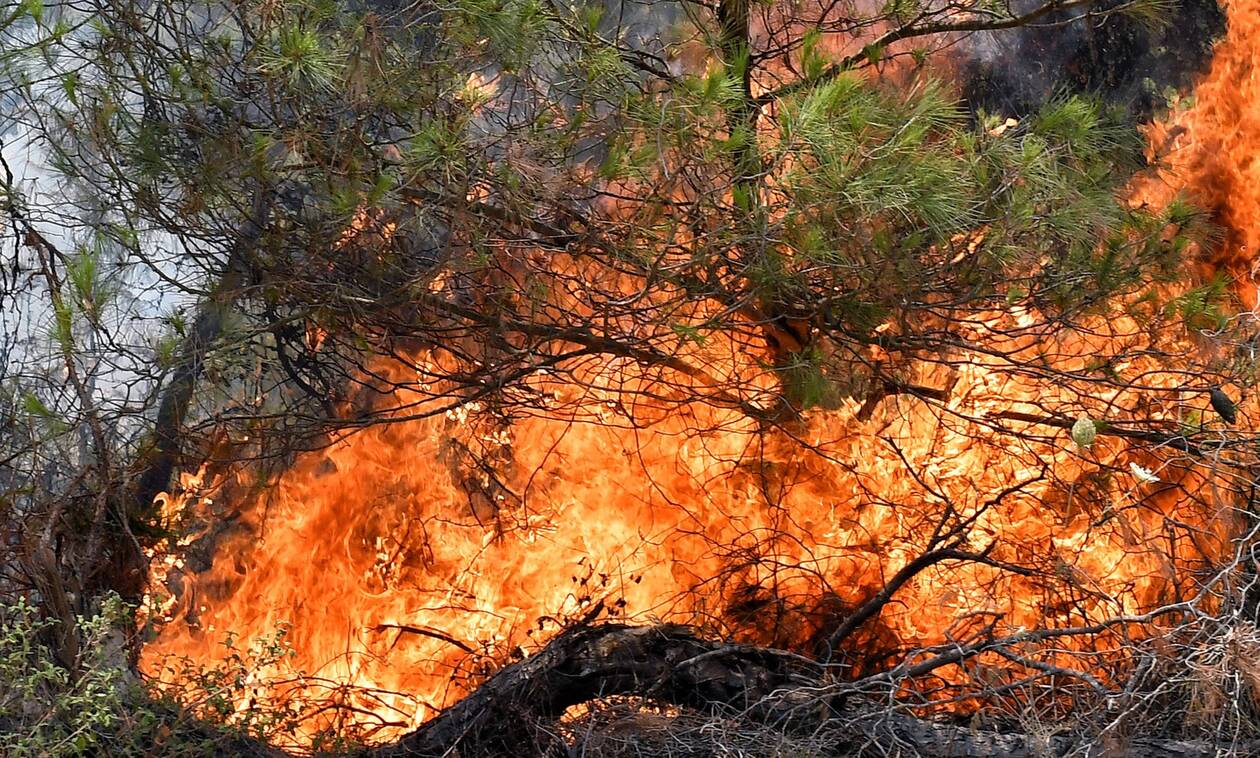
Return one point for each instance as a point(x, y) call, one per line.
point(510, 713)
point(515, 712)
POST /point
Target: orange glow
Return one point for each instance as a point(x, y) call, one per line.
point(1209, 147)
point(405, 573)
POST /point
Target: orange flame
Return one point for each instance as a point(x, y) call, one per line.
point(405, 571)
point(1208, 147)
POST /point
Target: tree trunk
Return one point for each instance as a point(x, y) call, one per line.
point(151, 472)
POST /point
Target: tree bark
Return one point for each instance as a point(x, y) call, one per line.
point(154, 475)
point(151, 472)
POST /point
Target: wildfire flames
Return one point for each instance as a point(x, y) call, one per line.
point(1210, 147)
point(404, 573)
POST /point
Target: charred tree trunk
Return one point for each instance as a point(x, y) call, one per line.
point(154, 471)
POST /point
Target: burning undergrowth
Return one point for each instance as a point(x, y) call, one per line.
point(1050, 491)
point(410, 559)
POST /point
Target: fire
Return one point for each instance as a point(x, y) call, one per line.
point(406, 573)
point(1208, 148)
point(409, 559)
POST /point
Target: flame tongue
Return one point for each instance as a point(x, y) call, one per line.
point(1209, 142)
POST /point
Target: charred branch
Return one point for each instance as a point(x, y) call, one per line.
point(875, 604)
point(1173, 440)
point(514, 713)
point(666, 662)
point(886, 387)
point(933, 740)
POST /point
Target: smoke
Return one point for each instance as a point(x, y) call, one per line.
point(1120, 58)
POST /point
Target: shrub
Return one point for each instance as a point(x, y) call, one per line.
point(51, 709)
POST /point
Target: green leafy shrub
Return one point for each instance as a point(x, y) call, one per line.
point(95, 705)
point(51, 709)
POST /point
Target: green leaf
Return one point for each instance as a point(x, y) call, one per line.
point(688, 333)
point(63, 325)
point(35, 407)
point(88, 291)
point(812, 63)
point(874, 53)
point(591, 16)
point(302, 55)
point(165, 350)
point(69, 85)
point(34, 9)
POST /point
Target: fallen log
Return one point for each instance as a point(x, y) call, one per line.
point(516, 710)
point(511, 712)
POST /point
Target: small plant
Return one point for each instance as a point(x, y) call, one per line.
point(230, 693)
point(94, 706)
point(51, 709)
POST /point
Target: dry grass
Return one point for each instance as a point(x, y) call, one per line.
point(638, 728)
